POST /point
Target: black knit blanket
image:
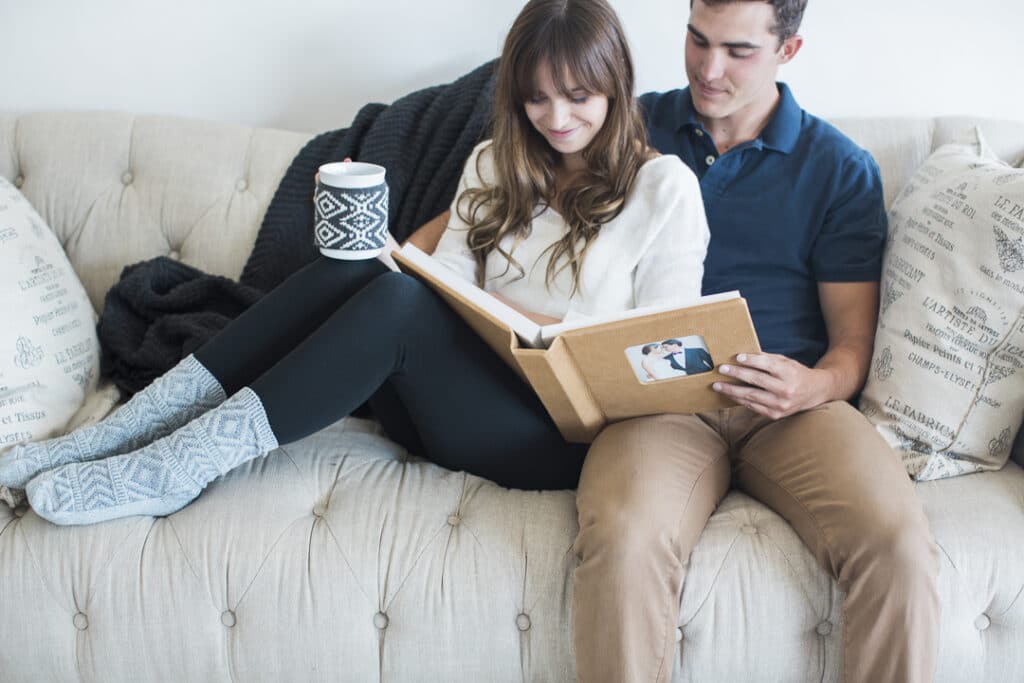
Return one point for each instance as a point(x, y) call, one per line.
point(162, 310)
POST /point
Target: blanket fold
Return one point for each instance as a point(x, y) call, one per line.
point(161, 310)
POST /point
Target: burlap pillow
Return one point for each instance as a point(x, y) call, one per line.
point(947, 379)
point(49, 353)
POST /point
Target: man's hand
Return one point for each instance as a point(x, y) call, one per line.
point(774, 385)
point(777, 386)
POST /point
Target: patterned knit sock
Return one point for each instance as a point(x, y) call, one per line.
point(162, 477)
point(174, 399)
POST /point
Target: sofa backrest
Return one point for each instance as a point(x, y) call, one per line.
point(120, 188)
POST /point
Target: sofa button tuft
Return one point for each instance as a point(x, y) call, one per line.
point(381, 621)
point(983, 622)
point(174, 255)
point(19, 181)
point(19, 512)
point(81, 621)
point(319, 510)
point(127, 178)
point(242, 185)
point(824, 628)
point(227, 617)
point(523, 622)
point(679, 634)
point(454, 520)
point(749, 529)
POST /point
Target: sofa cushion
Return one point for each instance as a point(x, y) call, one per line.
point(947, 379)
point(49, 355)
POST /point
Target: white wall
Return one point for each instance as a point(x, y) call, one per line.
point(309, 65)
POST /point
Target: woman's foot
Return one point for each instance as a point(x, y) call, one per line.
point(160, 478)
point(174, 399)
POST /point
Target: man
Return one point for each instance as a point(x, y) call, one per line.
point(692, 360)
point(798, 226)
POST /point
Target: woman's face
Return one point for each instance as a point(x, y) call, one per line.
point(655, 350)
point(568, 124)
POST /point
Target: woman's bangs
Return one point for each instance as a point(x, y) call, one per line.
point(567, 54)
point(572, 55)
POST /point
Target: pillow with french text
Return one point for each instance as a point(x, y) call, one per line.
point(946, 387)
point(49, 352)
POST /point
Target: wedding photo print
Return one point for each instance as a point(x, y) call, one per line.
point(670, 358)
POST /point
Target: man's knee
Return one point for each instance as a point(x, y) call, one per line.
point(626, 535)
point(902, 551)
point(643, 494)
point(911, 552)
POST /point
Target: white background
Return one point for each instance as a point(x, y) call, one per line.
point(310, 65)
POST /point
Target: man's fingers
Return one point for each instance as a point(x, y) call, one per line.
point(757, 378)
point(761, 402)
point(768, 362)
point(740, 393)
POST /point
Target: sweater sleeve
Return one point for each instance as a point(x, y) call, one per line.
point(452, 250)
point(671, 268)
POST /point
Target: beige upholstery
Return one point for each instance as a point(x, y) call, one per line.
point(118, 189)
point(337, 558)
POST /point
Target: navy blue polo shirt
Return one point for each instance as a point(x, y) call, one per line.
point(799, 205)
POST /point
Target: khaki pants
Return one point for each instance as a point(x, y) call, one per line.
point(650, 484)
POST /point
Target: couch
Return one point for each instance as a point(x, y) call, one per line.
point(344, 558)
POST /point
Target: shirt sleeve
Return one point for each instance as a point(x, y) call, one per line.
point(671, 267)
point(452, 250)
point(850, 244)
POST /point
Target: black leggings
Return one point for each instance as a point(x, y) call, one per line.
point(337, 333)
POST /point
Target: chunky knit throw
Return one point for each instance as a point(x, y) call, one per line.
point(162, 310)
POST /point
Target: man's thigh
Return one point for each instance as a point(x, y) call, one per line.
point(652, 475)
point(831, 476)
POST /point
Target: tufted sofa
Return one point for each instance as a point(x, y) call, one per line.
point(342, 558)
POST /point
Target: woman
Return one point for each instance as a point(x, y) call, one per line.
point(565, 213)
point(656, 363)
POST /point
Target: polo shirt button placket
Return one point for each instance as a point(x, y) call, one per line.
point(709, 159)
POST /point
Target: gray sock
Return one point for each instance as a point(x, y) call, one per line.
point(162, 477)
point(177, 397)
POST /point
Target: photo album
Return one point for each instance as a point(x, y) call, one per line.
point(593, 371)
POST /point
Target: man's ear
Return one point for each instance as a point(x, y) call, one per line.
point(790, 46)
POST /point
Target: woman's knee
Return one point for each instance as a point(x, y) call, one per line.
point(325, 275)
point(401, 291)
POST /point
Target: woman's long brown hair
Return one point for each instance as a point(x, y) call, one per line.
point(585, 39)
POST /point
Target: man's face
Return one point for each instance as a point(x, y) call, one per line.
point(732, 57)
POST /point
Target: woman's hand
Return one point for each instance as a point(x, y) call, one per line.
point(316, 176)
point(535, 317)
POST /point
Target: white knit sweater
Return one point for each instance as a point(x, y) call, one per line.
point(652, 253)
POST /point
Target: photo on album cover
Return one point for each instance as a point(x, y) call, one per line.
point(670, 358)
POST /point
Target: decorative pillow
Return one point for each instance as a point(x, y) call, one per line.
point(946, 386)
point(49, 353)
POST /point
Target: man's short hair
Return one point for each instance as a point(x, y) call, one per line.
point(788, 14)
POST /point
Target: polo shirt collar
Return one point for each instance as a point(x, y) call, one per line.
point(783, 127)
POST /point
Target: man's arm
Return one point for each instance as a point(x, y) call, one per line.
point(777, 386)
point(851, 315)
point(429, 234)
